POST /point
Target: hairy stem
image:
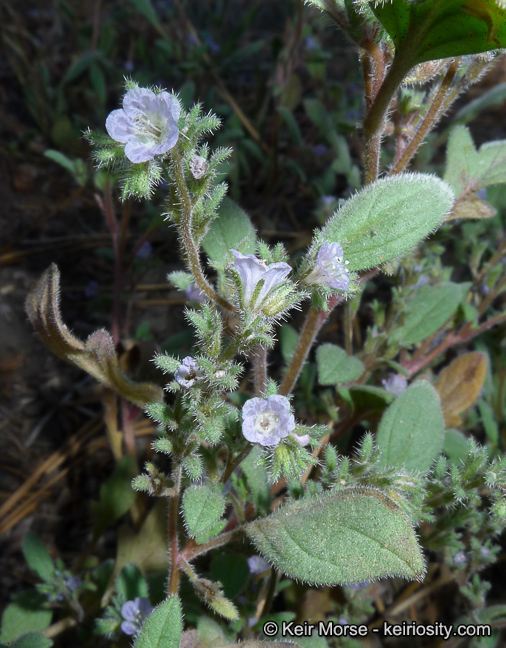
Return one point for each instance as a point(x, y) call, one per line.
point(431, 118)
point(374, 123)
point(258, 359)
point(314, 321)
point(174, 572)
point(186, 232)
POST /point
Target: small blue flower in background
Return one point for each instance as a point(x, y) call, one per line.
point(395, 384)
point(188, 372)
point(459, 558)
point(252, 270)
point(330, 270)
point(91, 288)
point(144, 251)
point(267, 420)
point(147, 124)
point(134, 613)
point(194, 294)
point(422, 281)
point(328, 200)
point(257, 564)
point(321, 149)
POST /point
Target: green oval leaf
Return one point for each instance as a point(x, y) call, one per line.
point(429, 309)
point(232, 230)
point(32, 640)
point(25, 614)
point(202, 507)
point(37, 556)
point(336, 366)
point(388, 218)
point(354, 535)
point(436, 29)
point(411, 431)
point(164, 626)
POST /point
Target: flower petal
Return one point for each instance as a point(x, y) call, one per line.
point(136, 101)
point(119, 126)
point(137, 151)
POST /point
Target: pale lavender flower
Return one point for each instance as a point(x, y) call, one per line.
point(147, 124)
point(395, 384)
point(252, 270)
point(330, 270)
point(302, 439)
point(134, 613)
point(188, 372)
point(267, 420)
point(257, 564)
point(73, 583)
point(459, 558)
point(422, 281)
point(198, 166)
point(328, 200)
point(194, 294)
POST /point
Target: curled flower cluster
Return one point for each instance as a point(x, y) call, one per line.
point(188, 372)
point(147, 124)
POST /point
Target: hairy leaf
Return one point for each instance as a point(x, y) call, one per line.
point(411, 430)
point(26, 613)
point(232, 230)
point(164, 626)
point(388, 218)
point(37, 556)
point(202, 507)
point(428, 310)
point(350, 536)
point(336, 366)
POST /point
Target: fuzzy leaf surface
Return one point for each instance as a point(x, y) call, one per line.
point(388, 218)
point(232, 230)
point(411, 430)
point(164, 626)
point(202, 507)
point(26, 613)
point(336, 366)
point(350, 536)
point(32, 640)
point(428, 310)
